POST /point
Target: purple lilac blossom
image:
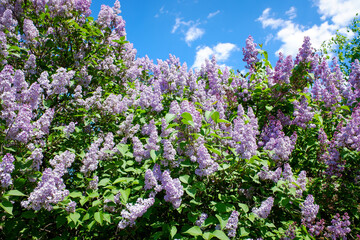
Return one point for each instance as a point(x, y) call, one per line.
point(232, 224)
point(264, 210)
point(21, 129)
point(201, 219)
point(70, 208)
point(134, 211)
point(207, 165)
point(151, 181)
point(339, 227)
point(250, 53)
point(42, 125)
point(174, 189)
point(61, 162)
point(61, 79)
point(244, 135)
point(91, 159)
point(69, 129)
point(138, 149)
point(6, 168)
point(169, 152)
point(270, 175)
point(303, 113)
point(309, 210)
point(282, 72)
point(93, 184)
point(50, 190)
point(36, 156)
point(30, 30)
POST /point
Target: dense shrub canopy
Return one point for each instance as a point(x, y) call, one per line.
point(96, 143)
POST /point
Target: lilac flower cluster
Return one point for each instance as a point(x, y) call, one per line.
point(349, 135)
point(232, 224)
point(286, 175)
point(264, 210)
point(207, 165)
point(70, 208)
point(306, 55)
point(91, 159)
point(174, 189)
point(6, 168)
point(152, 178)
point(274, 140)
point(250, 53)
point(201, 219)
point(51, 189)
point(303, 113)
point(282, 72)
point(315, 229)
point(244, 135)
point(61, 162)
point(61, 79)
point(309, 210)
point(30, 30)
point(339, 227)
point(134, 211)
point(93, 184)
point(69, 129)
point(152, 144)
point(36, 156)
point(42, 125)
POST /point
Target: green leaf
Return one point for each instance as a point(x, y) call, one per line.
point(215, 116)
point(7, 206)
point(194, 231)
point(153, 155)
point(244, 207)
point(173, 231)
point(74, 217)
point(123, 148)
point(14, 193)
point(98, 217)
point(220, 235)
point(191, 191)
point(187, 116)
point(75, 194)
point(243, 232)
point(125, 195)
point(222, 221)
point(104, 182)
point(184, 179)
point(169, 117)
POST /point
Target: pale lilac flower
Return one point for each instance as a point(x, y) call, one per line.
point(70, 208)
point(264, 210)
point(69, 129)
point(30, 30)
point(93, 184)
point(174, 189)
point(232, 224)
point(309, 210)
point(201, 219)
point(134, 211)
point(6, 168)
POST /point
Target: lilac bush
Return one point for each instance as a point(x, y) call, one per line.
point(99, 143)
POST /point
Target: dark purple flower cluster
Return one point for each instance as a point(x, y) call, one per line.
point(250, 53)
point(6, 168)
point(339, 228)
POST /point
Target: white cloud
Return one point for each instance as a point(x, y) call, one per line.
point(179, 23)
point(213, 14)
point(335, 14)
point(341, 12)
point(193, 33)
point(291, 13)
point(267, 21)
point(221, 51)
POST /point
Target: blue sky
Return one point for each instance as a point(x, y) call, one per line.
point(194, 30)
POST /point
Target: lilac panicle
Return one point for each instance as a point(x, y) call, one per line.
point(270, 175)
point(49, 191)
point(309, 210)
point(30, 30)
point(207, 165)
point(6, 168)
point(250, 53)
point(69, 129)
point(93, 184)
point(232, 224)
point(339, 228)
point(70, 208)
point(134, 211)
point(91, 159)
point(174, 189)
point(151, 181)
point(201, 219)
point(264, 210)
